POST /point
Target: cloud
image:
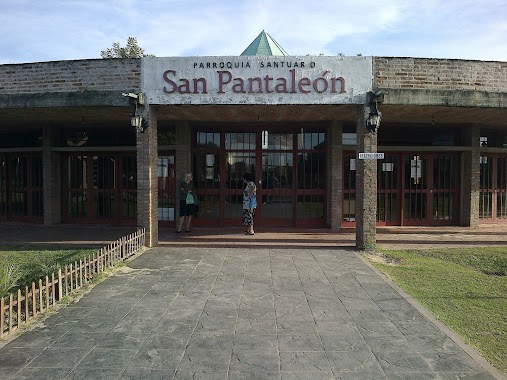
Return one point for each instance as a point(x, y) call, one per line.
point(80, 29)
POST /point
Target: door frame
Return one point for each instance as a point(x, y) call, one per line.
point(89, 191)
point(493, 188)
point(402, 190)
point(431, 190)
point(226, 194)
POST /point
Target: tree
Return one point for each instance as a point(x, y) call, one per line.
point(131, 50)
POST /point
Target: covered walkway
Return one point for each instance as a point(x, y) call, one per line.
point(387, 237)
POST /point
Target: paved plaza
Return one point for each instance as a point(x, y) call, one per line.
point(240, 313)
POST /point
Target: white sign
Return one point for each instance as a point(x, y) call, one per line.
point(256, 80)
point(371, 156)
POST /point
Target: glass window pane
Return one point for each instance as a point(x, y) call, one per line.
point(280, 141)
point(311, 172)
point(310, 207)
point(349, 207)
point(208, 139)
point(237, 165)
point(206, 170)
point(239, 141)
point(209, 206)
point(129, 205)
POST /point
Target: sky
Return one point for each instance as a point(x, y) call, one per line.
point(54, 30)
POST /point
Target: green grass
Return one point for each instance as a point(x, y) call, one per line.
point(30, 264)
point(453, 285)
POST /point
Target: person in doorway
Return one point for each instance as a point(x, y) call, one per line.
point(187, 197)
point(249, 203)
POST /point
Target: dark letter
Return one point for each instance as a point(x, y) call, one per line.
point(169, 81)
point(222, 82)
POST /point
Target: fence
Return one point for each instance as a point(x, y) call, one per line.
point(32, 301)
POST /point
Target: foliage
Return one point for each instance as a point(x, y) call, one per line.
point(32, 263)
point(131, 50)
point(456, 285)
point(9, 278)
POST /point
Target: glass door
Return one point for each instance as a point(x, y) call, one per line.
point(21, 187)
point(349, 189)
point(388, 171)
point(240, 158)
point(100, 188)
point(311, 178)
point(276, 190)
point(430, 189)
point(493, 184)
point(287, 163)
point(166, 188)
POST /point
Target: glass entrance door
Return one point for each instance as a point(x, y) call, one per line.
point(21, 187)
point(276, 190)
point(430, 189)
point(99, 188)
point(166, 188)
point(412, 189)
point(493, 198)
point(388, 171)
point(288, 166)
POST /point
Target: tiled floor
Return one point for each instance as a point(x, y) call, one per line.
point(240, 313)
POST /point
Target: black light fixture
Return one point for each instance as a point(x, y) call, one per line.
point(136, 119)
point(374, 117)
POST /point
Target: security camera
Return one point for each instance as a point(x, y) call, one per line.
point(130, 95)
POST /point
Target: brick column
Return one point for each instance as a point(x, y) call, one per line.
point(366, 185)
point(471, 178)
point(51, 195)
point(147, 183)
point(335, 176)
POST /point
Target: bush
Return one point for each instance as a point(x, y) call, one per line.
point(9, 278)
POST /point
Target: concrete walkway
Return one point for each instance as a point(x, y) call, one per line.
point(240, 313)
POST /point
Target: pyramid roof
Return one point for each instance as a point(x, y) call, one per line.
point(264, 45)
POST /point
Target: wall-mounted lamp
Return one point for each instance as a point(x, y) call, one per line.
point(374, 117)
point(136, 119)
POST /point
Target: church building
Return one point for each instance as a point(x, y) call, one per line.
point(332, 141)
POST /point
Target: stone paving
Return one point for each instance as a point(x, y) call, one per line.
point(240, 313)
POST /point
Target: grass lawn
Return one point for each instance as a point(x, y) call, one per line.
point(27, 264)
point(462, 287)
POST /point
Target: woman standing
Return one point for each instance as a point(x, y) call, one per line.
point(187, 198)
point(249, 203)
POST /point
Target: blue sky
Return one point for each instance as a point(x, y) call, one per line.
point(33, 31)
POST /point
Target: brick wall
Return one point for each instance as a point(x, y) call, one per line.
point(471, 188)
point(366, 186)
point(440, 74)
point(147, 179)
point(71, 76)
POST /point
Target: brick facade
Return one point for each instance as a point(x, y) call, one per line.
point(418, 82)
point(439, 74)
point(71, 76)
